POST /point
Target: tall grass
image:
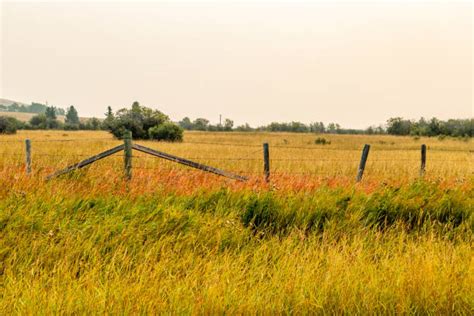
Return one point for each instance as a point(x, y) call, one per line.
point(334, 250)
point(185, 242)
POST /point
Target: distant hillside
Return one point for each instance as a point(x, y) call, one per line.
point(7, 105)
point(25, 117)
point(6, 102)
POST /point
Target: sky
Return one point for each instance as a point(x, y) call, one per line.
point(356, 63)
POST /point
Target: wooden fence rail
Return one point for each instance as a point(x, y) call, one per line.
point(86, 162)
point(187, 162)
point(128, 146)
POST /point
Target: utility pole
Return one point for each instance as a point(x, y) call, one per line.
point(220, 119)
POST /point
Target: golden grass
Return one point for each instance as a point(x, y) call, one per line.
point(185, 242)
point(295, 155)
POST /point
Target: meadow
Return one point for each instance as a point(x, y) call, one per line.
point(174, 239)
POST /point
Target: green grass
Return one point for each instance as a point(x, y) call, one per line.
point(401, 249)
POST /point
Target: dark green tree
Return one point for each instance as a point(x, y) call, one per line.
point(72, 117)
point(201, 124)
point(228, 124)
point(50, 113)
point(138, 120)
point(186, 123)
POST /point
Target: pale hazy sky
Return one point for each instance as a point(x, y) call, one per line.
point(353, 62)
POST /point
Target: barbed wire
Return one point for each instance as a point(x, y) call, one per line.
point(44, 154)
point(274, 146)
point(59, 140)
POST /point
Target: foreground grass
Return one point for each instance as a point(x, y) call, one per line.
point(405, 249)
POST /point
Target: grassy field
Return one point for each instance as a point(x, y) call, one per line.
point(178, 240)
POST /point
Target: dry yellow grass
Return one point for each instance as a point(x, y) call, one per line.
point(390, 159)
point(185, 242)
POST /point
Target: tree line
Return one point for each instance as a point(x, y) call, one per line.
point(394, 126)
point(30, 108)
point(147, 123)
point(432, 127)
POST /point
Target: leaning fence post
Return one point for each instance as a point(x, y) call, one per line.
point(28, 155)
point(423, 160)
point(266, 162)
point(127, 142)
point(363, 160)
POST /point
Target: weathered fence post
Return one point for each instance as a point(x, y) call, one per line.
point(266, 162)
point(363, 160)
point(28, 155)
point(423, 160)
point(127, 142)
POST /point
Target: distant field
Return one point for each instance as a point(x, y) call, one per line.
point(177, 240)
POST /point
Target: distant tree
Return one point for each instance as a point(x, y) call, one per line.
point(109, 113)
point(244, 128)
point(186, 123)
point(72, 119)
point(317, 127)
point(200, 124)
point(14, 107)
point(228, 124)
point(94, 123)
point(435, 127)
point(59, 111)
point(332, 128)
point(37, 107)
point(298, 127)
point(109, 119)
point(399, 126)
point(50, 113)
point(22, 108)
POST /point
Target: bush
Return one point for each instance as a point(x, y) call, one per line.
point(41, 121)
point(8, 125)
point(322, 141)
point(71, 127)
point(140, 121)
point(166, 131)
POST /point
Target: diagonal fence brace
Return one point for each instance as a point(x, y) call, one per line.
point(187, 162)
point(86, 162)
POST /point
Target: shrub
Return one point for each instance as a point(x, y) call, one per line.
point(71, 127)
point(42, 121)
point(140, 120)
point(322, 141)
point(166, 131)
point(8, 125)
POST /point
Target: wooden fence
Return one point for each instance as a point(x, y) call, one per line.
point(128, 146)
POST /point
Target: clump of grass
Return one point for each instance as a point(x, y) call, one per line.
point(414, 206)
point(322, 141)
